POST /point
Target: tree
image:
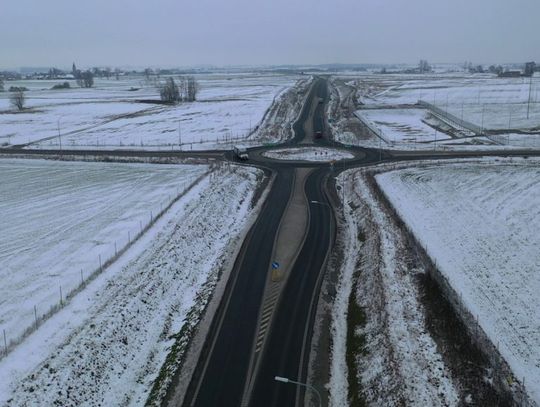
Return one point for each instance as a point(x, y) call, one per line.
point(424, 66)
point(169, 91)
point(192, 88)
point(85, 79)
point(17, 99)
point(1, 85)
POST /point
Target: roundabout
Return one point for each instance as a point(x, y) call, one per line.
point(311, 154)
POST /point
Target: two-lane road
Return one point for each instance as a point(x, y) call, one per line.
point(221, 372)
point(287, 350)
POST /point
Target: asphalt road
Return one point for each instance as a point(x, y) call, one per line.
point(287, 350)
point(221, 372)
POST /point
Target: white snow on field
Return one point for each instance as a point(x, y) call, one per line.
point(485, 100)
point(518, 139)
point(107, 116)
point(107, 345)
point(480, 223)
point(497, 105)
point(59, 217)
point(402, 125)
point(316, 154)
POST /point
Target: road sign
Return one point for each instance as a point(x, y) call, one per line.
point(275, 265)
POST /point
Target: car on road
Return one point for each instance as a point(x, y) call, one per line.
point(318, 134)
point(241, 153)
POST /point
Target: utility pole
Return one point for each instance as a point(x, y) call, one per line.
point(306, 385)
point(483, 111)
point(59, 136)
point(529, 100)
point(179, 136)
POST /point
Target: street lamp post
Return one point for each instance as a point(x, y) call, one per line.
point(320, 203)
point(308, 386)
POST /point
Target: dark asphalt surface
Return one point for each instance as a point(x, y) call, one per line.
point(221, 372)
point(234, 326)
point(292, 326)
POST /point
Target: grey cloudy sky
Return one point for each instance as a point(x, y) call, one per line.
point(233, 32)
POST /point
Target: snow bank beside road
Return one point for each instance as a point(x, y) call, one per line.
point(400, 363)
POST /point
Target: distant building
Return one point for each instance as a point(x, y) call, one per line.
point(528, 71)
point(510, 74)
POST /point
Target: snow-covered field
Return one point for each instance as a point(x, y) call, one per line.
point(495, 103)
point(228, 106)
point(106, 346)
point(402, 125)
point(60, 218)
point(480, 222)
point(498, 105)
point(309, 154)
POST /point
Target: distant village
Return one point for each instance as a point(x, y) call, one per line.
point(423, 67)
point(509, 71)
point(41, 73)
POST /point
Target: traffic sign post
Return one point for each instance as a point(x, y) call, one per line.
point(276, 273)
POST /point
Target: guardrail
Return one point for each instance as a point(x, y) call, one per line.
point(372, 127)
point(456, 121)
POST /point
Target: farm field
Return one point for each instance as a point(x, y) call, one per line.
point(479, 222)
point(107, 345)
point(61, 219)
point(228, 106)
point(500, 106)
point(403, 125)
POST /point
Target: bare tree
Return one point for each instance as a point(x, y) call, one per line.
point(147, 73)
point(86, 79)
point(17, 99)
point(192, 87)
point(169, 91)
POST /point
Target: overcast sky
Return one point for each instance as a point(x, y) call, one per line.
point(237, 32)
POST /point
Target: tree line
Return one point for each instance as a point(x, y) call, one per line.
point(184, 91)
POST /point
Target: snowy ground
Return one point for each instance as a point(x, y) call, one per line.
point(106, 346)
point(402, 125)
point(309, 154)
point(490, 216)
point(400, 363)
point(108, 115)
point(59, 218)
point(495, 104)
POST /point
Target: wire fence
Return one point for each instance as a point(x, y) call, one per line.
point(65, 295)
